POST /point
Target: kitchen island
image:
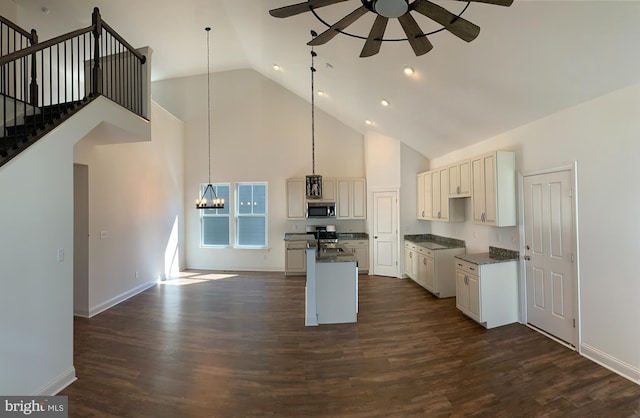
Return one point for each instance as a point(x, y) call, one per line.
point(331, 293)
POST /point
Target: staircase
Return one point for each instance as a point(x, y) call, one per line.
point(20, 136)
point(42, 84)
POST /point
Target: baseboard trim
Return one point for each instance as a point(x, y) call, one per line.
point(81, 313)
point(58, 384)
point(120, 298)
point(605, 360)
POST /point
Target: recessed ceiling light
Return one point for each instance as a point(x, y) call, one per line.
point(368, 122)
point(408, 70)
point(384, 102)
point(321, 93)
point(276, 67)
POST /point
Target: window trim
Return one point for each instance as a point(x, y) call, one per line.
point(203, 215)
point(237, 215)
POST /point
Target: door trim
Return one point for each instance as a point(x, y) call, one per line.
point(572, 167)
point(370, 221)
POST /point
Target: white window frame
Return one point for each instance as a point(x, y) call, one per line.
point(203, 215)
point(237, 214)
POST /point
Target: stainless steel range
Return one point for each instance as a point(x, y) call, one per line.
point(325, 234)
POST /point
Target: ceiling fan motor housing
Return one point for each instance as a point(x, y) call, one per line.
point(391, 8)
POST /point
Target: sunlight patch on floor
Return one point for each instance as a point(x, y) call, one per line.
point(185, 278)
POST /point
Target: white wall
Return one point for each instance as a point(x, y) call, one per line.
point(36, 220)
point(135, 210)
point(603, 136)
point(260, 132)
point(9, 10)
point(391, 165)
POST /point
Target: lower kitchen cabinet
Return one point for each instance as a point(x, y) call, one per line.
point(360, 249)
point(432, 269)
point(488, 293)
point(295, 258)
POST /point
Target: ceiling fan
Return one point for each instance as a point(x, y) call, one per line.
point(390, 9)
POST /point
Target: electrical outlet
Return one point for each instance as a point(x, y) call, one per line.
point(137, 275)
point(60, 255)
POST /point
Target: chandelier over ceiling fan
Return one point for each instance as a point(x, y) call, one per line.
point(391, 9)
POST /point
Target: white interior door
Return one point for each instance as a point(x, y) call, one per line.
point(550, 253)
point(385, 233)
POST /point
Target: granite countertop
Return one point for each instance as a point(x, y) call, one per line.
point(435, 242)
point(331, 256)
point(495, 255)
point(353, 235)
point(336, 258)
point(298, 237)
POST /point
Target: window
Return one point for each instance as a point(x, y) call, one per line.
point(251, 215)
point(215, 222)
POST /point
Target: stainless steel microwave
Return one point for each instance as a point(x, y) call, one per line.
point(321, 209)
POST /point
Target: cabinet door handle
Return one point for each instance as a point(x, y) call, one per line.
point(526, 257)
point(458, 190)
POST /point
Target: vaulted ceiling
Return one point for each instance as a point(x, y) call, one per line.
point(530, 60)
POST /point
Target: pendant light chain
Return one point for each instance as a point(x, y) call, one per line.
point(208, 29)
point(209, 199)
point(313, 114)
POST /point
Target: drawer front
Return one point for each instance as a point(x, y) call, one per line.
point(425, 251)
point(467, 267)
point(410, 246)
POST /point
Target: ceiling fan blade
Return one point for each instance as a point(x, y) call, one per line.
point(374, 41)
point(342, 24)
point(506, 3)
point(296, 9)
point(458, 26)
point(415, 36)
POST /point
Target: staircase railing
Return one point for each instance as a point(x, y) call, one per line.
point(49, 77)
point(13, 37)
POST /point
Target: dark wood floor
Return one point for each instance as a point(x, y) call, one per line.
point(237, 346)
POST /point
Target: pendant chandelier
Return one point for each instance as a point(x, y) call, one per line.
point(209, 199)
point(314, 181)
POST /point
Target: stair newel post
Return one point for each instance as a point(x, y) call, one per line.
point(97, 69)
point(33, 85)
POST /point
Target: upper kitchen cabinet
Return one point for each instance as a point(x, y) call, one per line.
point(296, 199)
point(443, 208)
point(329, 190)
point(351, 199)
point(460, 179)
point(433, 203)
point(493, 185)
point(423, 193)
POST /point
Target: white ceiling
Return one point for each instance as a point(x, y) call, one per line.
point(530, 60)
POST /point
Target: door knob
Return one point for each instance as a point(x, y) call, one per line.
point(375, 237)
point(526, 257)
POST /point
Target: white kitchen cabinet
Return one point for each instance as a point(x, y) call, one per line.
point(296, 199)
point(493, 183)
point(295, 258)
point(433, 201)
point(488, 293)
point(460, 179)
point(444, 208)
point(411, 262)
point(329, 190)
point(424, 196)
point(360, 248)
point(351, 199)
point(432, 269)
